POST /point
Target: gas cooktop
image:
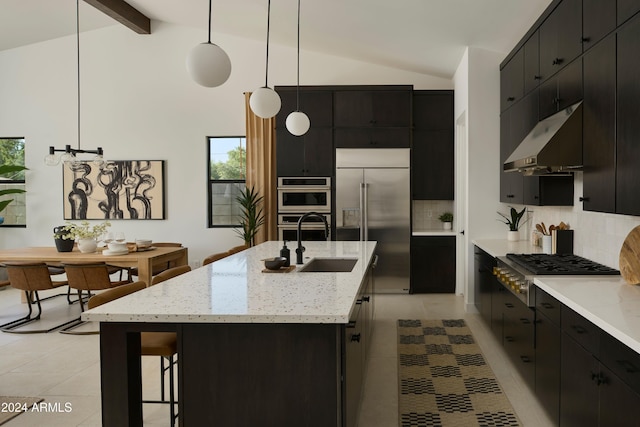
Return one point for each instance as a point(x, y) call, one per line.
point(544, 264)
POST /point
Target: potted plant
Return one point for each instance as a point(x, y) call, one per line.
point(5, 169)
point(447, 219)
point(62, 239)
point(251, 216)
point(86, 234)
point(513, 222)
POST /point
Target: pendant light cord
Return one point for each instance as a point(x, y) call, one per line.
point(78, 61)
point(209, 22)
point(298, 72)
point(266, 71)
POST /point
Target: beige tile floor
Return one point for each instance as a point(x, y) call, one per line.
point(65, 368)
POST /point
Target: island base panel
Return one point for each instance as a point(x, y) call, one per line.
point(260, 374)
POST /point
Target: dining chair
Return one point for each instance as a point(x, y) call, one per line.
point(31, 277)
point(237, 249)
point(170, 273)
point(163, 344)
point(215, 257)
point(159, 268)
point(88, 277)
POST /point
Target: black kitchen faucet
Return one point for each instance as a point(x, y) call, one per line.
point(300, 249)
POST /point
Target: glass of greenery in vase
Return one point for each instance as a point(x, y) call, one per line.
point(85, 234)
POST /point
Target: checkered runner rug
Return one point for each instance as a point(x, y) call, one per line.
point(444, 379)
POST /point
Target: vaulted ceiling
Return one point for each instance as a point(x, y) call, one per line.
point(425, 36)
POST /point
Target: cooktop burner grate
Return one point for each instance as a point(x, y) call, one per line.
point(544, 264)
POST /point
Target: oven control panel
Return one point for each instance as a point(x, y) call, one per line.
point(515, 282)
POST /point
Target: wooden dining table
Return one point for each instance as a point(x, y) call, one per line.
point(143, 260)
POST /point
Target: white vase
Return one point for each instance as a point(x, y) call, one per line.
point(87, 245)
point(447, 225)
point(513, 236)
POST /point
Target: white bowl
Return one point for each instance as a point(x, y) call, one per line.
point(117, 247)
point(143, 243)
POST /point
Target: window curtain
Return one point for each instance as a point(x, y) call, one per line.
point(261, 168)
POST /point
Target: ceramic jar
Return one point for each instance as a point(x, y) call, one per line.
point(87, 245)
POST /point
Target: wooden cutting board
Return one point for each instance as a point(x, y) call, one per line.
point(630, 257)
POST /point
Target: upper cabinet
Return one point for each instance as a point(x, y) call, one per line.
point(560, 37)
point(532, 62)
point(626, 9)
point(512, 81)
point(598, 20)
point(562, 90)
point(372, 118)
point(432, 155)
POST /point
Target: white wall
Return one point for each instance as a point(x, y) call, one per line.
point(139, 103)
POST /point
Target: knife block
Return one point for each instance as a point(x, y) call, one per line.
point(563, 242)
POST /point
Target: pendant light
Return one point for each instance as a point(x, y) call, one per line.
point(207, 64)
point(265, 102)
point(297, 122)
point(69, 154)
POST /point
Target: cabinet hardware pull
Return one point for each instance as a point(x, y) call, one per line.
point(525, 359)
point(355, 337)
point(537, 77)
point(508, 304)
point(546, 305)
point(557, 61)
point(585, 39)
point(525, 321)
point(584, 199)
point(579, 329)
point(366, 299)
point(511, 98)
point(350, 325)
point(628, 366)
point(375, 261)
point(508, 339)
point(359, 301)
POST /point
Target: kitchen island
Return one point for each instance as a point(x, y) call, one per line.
point(254, 348)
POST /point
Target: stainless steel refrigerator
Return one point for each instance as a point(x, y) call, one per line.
point(373, 202)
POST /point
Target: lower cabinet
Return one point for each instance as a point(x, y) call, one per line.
point(433, 264)
point(547, 378)
point(518, 336)
point(483, 281)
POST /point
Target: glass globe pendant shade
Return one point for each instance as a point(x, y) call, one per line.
point(51, 160)
point(265, 102)
point(208, 65)
point(298, 123)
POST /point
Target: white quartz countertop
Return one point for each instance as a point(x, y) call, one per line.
point(235, 290)
point(501, 247)
point(607, 301)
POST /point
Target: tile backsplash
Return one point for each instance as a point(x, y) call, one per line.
point(597, 236)
point(427, 212)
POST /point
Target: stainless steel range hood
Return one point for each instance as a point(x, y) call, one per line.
point(553, 146)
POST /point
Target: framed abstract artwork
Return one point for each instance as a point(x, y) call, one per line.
point(122, 189)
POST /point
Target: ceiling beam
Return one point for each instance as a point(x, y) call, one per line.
point(124, 13)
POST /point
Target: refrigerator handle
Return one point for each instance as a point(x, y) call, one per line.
point(365, 210)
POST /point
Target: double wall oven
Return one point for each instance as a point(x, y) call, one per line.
point(300, 195)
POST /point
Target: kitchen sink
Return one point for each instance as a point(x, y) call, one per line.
point(329, 265)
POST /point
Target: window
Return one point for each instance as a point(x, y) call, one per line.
point(12, 153)
point(227, 175)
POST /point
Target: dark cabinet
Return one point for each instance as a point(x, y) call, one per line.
point(598, 20)
point(364, 108)
point(562, 90)
point(433, 264)
point(433, 148)
point(628, 125)
point(483, 282)
point(512, 81)
point(532, 63)
point(372, 118)
point(519, 335)
point(599, 127)
point(312, 153)
point(547, 351)
point(354, 354)
point(308, 155)
point(626, 9)
point(560, 37)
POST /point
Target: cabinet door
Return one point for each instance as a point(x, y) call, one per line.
point(432, 110)
point(483, 282)
point(372, 137)
point(519, 336)
point(497, 308)
point(547, 375)
point(433, 264)
point(512, 81)
point(578, 386)
point(562, 90)
point(628, 125)
point(626, 9)
point(308, 155)
point(599, 19)
point(392, 108)
point(432, 159)
point(619, 404)
point(532, 63)
point(510, 182)
point(356, 108)
point(599, 127)
point(353, 371)
point(561, 37)
point(316, 104)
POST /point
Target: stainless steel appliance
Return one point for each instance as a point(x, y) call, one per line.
point(304, 194)
point(373, 202)
point(517, 271)
point(311, 229)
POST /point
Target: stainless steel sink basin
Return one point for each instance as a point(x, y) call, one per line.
point(329, 265)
